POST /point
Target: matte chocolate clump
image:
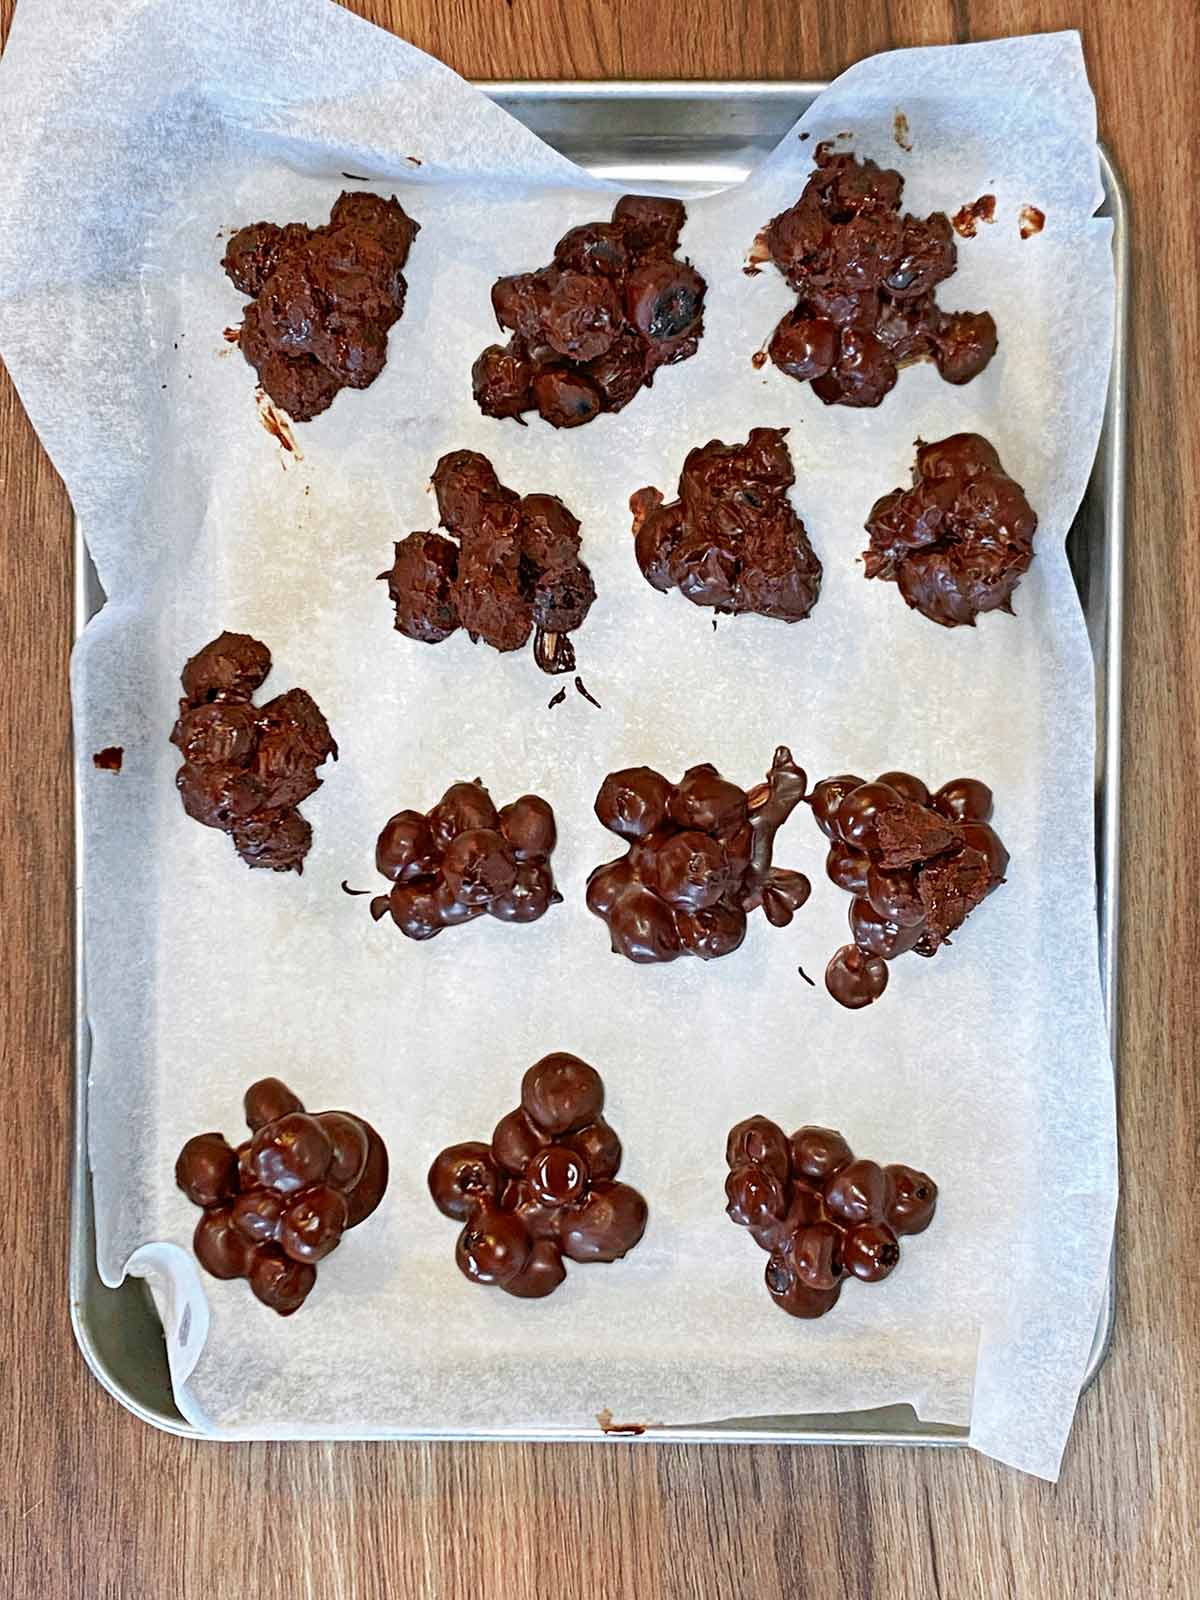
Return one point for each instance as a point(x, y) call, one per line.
point(464, 859)
point(543, 1188)
point(731, 540)
point(865, 277)
point(323, 299)
point(823, 1215)
point(917, 864)
point(960, 540)
point(593, 327)
point(246, 768)
point(280, 1202)
point(515, 569)
point(699, 860)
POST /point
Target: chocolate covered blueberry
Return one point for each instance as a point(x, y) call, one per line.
point(281, 1201)
point(732, 539)
point(917, 864)
point(464, 859)
point(247, 768)
point(865, 278)
point(699, 860)
point(959, 541)
point(592, 328)
point(543, 1188)
point(823, 1215)
point(322, 299)
point(509, 568)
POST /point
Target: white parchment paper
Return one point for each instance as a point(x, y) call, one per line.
point(137, 132)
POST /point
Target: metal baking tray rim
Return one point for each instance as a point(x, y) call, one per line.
point(134, 1370)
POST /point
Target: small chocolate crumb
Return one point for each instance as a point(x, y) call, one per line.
point(356, 177)
point(806, 977)
point(714, 620)
point(590, 698)
point(109, 759)
point(966, 219)
point(232, 335)
point(900, 131)
point(415, 161)
point(758, 360)
point(346, 889)
point(630, 1430)
point(805, 135)
point(556, 700)
point(1032, 221)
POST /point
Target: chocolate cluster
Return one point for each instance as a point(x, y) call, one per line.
point(593, 327)
point(515, 569)
point(280, 1202)
point(246, 768)
point(323, 299)
point(731, 540)
point(698, 862)
point(543, 1188)
point(823, 1215)
point(916, 863)
point(958, 542)
point(464, 858)
point(865, 277)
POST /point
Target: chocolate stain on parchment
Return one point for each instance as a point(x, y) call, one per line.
point(628, 1430)
point(900, 131)
point(278, 426)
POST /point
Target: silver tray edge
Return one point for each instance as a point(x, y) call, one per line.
point(117, 1330)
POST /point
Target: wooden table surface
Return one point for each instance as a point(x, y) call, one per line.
point(94, 1504)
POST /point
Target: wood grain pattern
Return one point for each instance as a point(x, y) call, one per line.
point(93, 1504)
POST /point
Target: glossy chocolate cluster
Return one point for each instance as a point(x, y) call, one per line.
point(323, 299)
point(246, 768)
point(732, 539)
point(823, 1215)
point(865, 277)
point(515, 569)
point(916, 863)
point(959, 541)
point(464, 858)
point(280, 1202)
point(543, 1188)
point(698, 862)
point(593, 327)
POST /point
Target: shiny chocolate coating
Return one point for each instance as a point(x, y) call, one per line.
point(282, 1200)
point(732, 540)
point(465, 858)
point(592, 328)
point(959, 541)
point(865, 278)
point(322, 299)
point(823, 1215)
point(508, 568)
point(917, 864)
point(246, 768)
point(699, 860)
point(543, 1188)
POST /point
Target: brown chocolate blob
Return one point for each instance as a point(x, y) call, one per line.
point(592, 328)
point(865, 278)
point(543, 1189)
point(323, 299)
point(699, 860)
point(821, 1214)
point(246, 768)
point(281, 1202)
point(732, 539)
point(959, 541)
point(917, 864)
point(463, 859)
point(509, 569)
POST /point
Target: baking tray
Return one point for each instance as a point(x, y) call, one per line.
point(693, 136)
